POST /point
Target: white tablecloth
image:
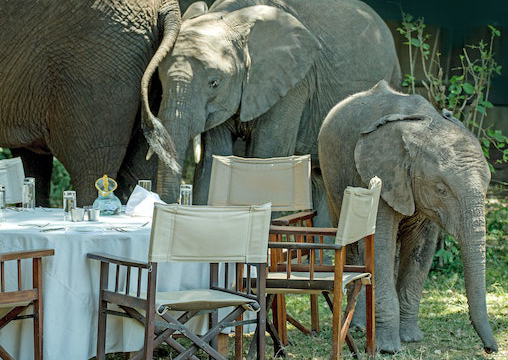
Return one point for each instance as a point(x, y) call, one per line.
point(71, 281)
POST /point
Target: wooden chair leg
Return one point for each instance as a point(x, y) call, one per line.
point(340, 256)
point(38, 310)
point(314, 313)
point(239, 340)
point(371, 321)
point(150, 314)
point(101, 329)
point(279, 318)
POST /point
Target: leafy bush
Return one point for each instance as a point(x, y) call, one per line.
point(466, 93)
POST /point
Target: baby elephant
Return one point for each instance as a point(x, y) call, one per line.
point(433, 172)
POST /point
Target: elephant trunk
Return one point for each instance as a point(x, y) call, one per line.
point(472, 243)
point(179, 118)
point(158, 138)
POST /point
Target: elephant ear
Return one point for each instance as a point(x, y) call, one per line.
point(280, 52)
point(384, 151)
point(194, 10)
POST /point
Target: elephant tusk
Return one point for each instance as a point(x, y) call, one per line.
point(196, 142)
point(149, 153)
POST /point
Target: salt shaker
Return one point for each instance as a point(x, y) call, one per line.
point(2, 203)
point(185, 194)
point(28, 194)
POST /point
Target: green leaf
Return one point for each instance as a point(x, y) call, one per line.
point(481, 110)
point(455, 89)
point(415, 42)
point(487, 104)
point(468, 88)
point(486, 152)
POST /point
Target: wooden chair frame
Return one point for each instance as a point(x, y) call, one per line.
point(26, 297)
point(279, 311)
point(340, 321)
point(132, 304)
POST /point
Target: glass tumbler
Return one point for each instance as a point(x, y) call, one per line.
point(69, 203)
point(185, 194)
point(145, 184)
point(3, 205)
point(28, 201)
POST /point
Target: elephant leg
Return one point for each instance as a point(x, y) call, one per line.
point(216, 141)
point(418, 238)
point(320, 203)
point(40, 167)
point(387, 302)
point(275, 132)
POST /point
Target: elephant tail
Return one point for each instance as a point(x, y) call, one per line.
point(157, 136)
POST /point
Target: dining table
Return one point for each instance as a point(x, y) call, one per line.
point(71, 280)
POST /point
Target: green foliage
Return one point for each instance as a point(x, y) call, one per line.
point(60, 181)
point(447, 258)
point(465, 93)
point(5, 153)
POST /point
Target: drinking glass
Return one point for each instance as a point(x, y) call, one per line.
point(28, 194)
point(146, 184)
point(2, 203)
point(69, 203)
point(185, 194)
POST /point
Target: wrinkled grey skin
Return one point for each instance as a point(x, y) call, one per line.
point(433, 171)
point(267, 75)
point(70, 82)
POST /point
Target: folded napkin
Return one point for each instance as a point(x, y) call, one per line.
point(141, 202)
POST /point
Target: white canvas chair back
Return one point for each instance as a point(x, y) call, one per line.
point(358, 212)
point(210, 234)
point(283, 181)
point(11, 176)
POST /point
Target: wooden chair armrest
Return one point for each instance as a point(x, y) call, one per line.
point(302, 230)
point(118, 260)
point(30, 254)
point(303, 246)
point(293, 218)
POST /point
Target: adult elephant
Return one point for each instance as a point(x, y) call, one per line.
point(266, 72)
point(433, 172)
point(70, 82)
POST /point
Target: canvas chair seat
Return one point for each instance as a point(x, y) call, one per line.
point(300, 282)
point(201, 299)
point(13, 305)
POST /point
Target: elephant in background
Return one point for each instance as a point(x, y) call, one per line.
point(70, 83)
point(265, 72)
point(433, 172)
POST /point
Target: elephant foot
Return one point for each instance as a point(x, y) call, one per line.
point(410, 331)
point(388, 340)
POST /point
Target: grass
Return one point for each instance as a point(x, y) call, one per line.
point(443, 318)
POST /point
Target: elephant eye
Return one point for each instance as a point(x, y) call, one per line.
point(442, 189)
point(214, 83)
